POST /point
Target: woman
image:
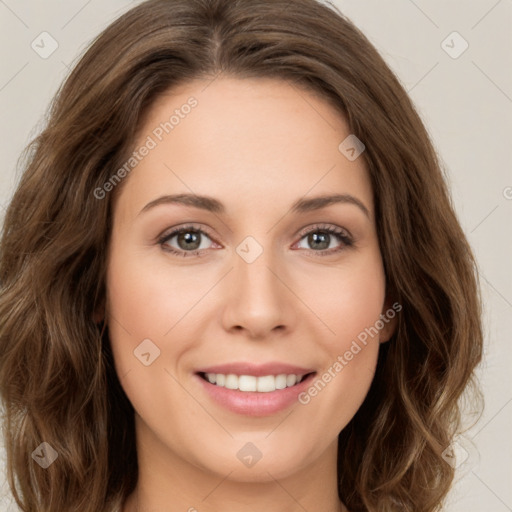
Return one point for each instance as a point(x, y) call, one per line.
point(232, 278)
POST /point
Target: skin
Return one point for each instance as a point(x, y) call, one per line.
point(256, 145)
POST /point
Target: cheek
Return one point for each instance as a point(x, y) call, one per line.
point(147, 300)
point(347, 300)
point(137, 301)
point(350, 305)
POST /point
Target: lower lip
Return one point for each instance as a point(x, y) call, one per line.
point(252, 403)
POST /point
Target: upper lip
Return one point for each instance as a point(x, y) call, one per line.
point(258, 370)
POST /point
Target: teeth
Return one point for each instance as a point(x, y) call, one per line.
point(263, 384)
point(231, 382)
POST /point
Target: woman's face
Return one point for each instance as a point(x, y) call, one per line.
point(255, 285)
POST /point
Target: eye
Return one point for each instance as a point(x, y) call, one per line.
point(188, 241)
point(320, 238)
point(192, 240)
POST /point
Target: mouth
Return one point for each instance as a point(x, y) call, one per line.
point(254, 395)
point(253, 383)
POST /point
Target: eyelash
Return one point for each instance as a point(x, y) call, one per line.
point(341, 234)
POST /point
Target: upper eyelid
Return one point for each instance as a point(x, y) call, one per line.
point(324, 226)
point(174, 231)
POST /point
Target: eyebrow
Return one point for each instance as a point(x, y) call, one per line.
point(215, 206)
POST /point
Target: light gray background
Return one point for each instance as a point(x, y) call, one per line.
point(466, 103)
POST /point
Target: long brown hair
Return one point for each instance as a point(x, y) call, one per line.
point(57, 380)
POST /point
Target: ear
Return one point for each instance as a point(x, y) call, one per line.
point(389, 318)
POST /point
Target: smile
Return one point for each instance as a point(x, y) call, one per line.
point(252, 383)
point(252, 395)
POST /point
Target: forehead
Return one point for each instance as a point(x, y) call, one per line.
point(244, 141)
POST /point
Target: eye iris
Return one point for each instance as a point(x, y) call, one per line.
point(322, 238)
point(189, 237)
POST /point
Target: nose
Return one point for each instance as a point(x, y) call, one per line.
point(259, 301)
